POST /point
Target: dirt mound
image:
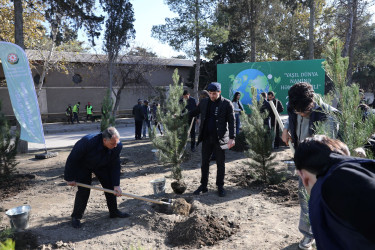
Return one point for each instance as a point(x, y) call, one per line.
point(25, 240)
point(181, 206)
point(285, 192)
point(18, 183)
point(201, 231)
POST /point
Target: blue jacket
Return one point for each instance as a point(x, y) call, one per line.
point(342, 205)
point(89, 154)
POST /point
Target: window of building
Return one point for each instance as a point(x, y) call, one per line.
point(77, 78)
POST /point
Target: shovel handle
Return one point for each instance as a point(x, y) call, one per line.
point(280, 124)
point(123, 194)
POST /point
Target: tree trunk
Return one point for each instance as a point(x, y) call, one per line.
point(311, 29)
point(18, 23)
point(349, 29)
point(353, 39)
point(18, 38)
point(197, 51)
point(117, 102)
point(252, 18)
point(46, 61)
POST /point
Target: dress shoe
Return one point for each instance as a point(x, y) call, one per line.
point(200, 189)
point(221, 191)
point(76, 223)
point(119, 214)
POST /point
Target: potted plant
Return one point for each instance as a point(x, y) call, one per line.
point(172, 144)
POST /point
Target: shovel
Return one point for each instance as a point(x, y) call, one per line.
point(125, 194)
point(280, 124)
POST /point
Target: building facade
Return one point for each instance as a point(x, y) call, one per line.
point(79, 77)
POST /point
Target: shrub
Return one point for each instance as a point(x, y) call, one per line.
point(172, 144)
point(8, 149)
point(107, 118)
point(259, 139)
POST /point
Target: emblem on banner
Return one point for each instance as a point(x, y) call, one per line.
point(12, 58)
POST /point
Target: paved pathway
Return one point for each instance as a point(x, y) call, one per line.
point(59, 135)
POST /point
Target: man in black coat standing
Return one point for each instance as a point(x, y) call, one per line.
point(138, 118)
point(191, 104)
point(274, 124)
point(216, 132)
point(98, 154)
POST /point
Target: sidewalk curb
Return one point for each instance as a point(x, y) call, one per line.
point(56, 128)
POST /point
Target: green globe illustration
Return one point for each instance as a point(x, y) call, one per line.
point(245, 80)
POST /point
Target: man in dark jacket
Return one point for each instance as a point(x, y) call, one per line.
point(216, 132)
point(98, 154)
point(146, 118)
point(274, 124)
point(138, 118)
point(191, 105)
point(341, 188)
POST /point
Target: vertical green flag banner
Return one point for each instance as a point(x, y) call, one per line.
point(22, 92)
point(269, 76)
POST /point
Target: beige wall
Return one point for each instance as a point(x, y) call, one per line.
point(60, 89)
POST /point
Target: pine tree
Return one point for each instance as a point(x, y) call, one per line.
point(172, 145)
point(259, 139)
point(353, 129)
point(107, 118)
point(8, 149)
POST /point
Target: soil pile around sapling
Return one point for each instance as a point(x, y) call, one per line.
point(200, 231)
point(17, 183)
point(25, 240)
point(285, 193)
point(181, 206)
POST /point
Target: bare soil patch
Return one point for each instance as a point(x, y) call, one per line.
point(249, 217)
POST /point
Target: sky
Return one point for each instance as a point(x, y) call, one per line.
point(147, 13)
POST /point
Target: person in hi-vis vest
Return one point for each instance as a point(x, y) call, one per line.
point(76, 111)
point(89, 110)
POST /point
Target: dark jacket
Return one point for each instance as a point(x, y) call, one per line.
point(341, 205)
point(318, 114)
point(138, 112)
point(191, 104)
point(89, 153)
point(146, 112)
point(225, 122)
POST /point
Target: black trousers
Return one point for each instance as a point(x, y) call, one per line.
point(192, 134)
point(70, 118)
point(83, 194)
point(277, 135)
point(138, 129)
point(210, 145)
point(75, 117)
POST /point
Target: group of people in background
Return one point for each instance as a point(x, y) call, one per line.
point(144, 117)
point(72, 112)
point(270, 121)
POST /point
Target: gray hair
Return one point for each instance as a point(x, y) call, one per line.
point(110, 132)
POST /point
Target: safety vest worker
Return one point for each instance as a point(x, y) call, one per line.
point(76, 107)
point(89, 109)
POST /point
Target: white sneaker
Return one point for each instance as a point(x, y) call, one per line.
point(306, 243)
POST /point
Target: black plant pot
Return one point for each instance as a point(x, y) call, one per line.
point(179, 187)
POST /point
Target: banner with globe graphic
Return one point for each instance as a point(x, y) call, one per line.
point(22, 92)
point(269, 76)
